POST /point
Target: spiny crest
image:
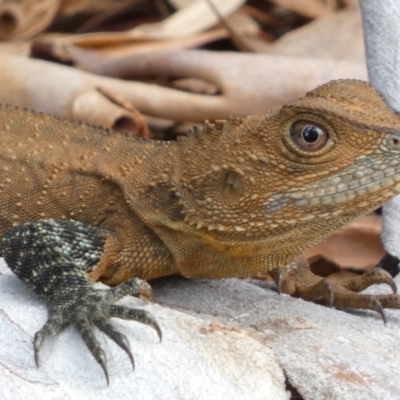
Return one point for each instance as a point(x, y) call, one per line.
point(210, 128)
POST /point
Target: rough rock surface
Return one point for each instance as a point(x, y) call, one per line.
point(222, 339)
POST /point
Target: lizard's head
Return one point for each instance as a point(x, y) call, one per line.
point(303, 169)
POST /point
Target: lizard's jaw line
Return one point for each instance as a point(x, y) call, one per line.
point(390, 184)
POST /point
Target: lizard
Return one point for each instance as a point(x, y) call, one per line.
point(242, 197)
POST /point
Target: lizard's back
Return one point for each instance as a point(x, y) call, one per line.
point(53, 168)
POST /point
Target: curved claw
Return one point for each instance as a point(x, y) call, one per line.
point(133, 314)
point(331, 293)
point(37, 345)
point(104, 368)
point(379, 309)
point(116, 336)
point(132, 287)
point(83, 326)
point(158, 330)
point(390, 280)
point(52, 326)
point(279, 280)
point(394, 287)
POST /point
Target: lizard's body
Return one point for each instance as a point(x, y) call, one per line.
point(243, 198)
point(74, 171)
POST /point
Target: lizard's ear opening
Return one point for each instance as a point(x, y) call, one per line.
point(233, 185)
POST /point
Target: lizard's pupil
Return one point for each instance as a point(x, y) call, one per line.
point(308, 135)
point(311, 133)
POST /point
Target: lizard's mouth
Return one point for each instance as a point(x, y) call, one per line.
point(358, 181)
point(347, 192)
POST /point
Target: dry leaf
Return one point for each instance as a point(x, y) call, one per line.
point(238, 25)
point(104, 108)
point(54, 48)
point(336, 36)
point(308, 8)
point(25, 18)
point(194, 18)
point(70, 7)
point(195, 85)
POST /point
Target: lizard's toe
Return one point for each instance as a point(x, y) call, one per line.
point(368, 278)
point(53, 325)
point(357, 300)
point(299, 281)
point(132, 287)
point(133, 314)
point(346, 293)
point(120, 339)
point(82, 324)
point(322, 291)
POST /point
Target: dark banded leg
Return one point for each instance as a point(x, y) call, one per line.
point(53, 258)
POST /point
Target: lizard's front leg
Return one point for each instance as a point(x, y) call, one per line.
point(297, 280)
point(53, 257)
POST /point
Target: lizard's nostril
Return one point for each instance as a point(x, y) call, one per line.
point(394, 139)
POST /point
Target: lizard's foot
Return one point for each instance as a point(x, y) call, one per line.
point(52, 257)
point(299, 281)
point(87, 306)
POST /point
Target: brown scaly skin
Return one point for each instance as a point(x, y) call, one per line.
point(243, 198)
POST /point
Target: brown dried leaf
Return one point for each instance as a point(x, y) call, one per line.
point(133, 124)
point(239, 25)
point(308, 8)
point(61, 49)
point(25, 18)
point(70, 7)
point(195, 85)
point(191, 20)
point(104, 108)
point(336, 36)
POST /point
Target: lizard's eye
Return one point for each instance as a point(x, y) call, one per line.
point(308, 136)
